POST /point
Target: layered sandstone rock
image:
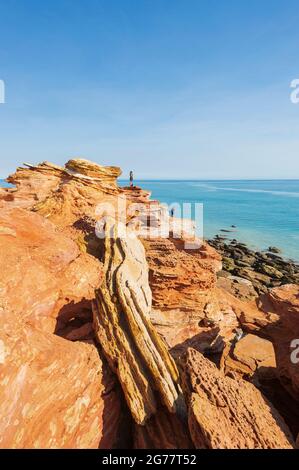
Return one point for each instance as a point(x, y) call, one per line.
point(121, 317)
point(187, 309)
point(32, 184)
point(226, 413)
point(106, 175)
point(63, 194)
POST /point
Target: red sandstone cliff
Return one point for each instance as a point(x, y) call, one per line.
point(74, 376)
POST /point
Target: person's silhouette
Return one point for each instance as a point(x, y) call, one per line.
point(131, 178)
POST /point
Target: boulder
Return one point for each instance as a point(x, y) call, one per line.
point(228, 264)
point(274, 249)
point(271, 271)
point(251, 356)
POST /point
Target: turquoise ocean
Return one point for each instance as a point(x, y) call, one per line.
point(265, 213)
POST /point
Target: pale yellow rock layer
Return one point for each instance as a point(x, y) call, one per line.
point(132, 346)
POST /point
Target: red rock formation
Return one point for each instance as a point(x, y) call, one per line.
point(285, 302)
point(187, 309)
point(226, 413)
point(44, 270)
point(54, 393)
point(58, 391)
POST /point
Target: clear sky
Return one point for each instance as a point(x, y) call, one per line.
point(168, 88)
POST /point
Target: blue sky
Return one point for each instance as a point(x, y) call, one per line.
point(168, 88)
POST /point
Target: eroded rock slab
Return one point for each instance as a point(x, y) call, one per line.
point(226, 413)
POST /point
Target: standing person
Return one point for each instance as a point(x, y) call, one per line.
point(131, 178)
point(171, 212)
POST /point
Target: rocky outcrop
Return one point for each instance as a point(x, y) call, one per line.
point(54, 393)
point(227, 413)
point(134, 350)
point(63, 195)
point(32, 184)
point(187, 309)
point(105, 175)
point(94, 321)
point(264, 270)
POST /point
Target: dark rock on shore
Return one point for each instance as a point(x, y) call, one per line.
point(274, 249)
point(264, 270)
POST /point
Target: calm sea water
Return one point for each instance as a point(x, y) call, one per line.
point(264, 212)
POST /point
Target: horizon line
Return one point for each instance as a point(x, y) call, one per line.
point(211, 179)
point(199, 179)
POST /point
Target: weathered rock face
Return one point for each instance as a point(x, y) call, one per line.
point(164, 430)
point(63, 194)
point(186, 307)
point(32, 184)
point(54, 393)
point(241, 288)
point(44, 271)
point(251, 356)
point(285, 302)
point(226, 413)
point(132, 346)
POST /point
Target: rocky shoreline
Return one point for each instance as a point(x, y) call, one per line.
point(262, 270)
point(133, 342)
